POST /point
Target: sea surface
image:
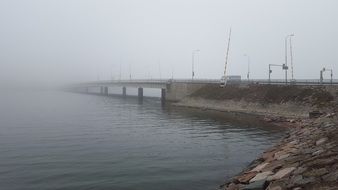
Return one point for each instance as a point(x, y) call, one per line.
point(58, 140)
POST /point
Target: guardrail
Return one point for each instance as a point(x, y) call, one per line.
point(310, 82)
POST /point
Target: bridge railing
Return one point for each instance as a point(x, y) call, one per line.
point(212, 81)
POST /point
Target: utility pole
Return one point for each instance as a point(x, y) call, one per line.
point(193, 62)
point(248, 74)
point(291, 58)
point(285, 67)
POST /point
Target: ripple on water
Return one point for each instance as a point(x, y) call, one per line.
point(72, 141)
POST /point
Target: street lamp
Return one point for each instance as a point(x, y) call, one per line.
point(248, 74)
point(285, 67)
point(291, 57)
point(192, 64)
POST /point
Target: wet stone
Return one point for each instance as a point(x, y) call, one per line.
point(321, 141)
point(232, 186)
point(277, 185)
point(317, 152)
point(299, 170)
point(245, 178)
point(307, 151)
point(268, 156)
point(283, 156)
point(294, 159)
point(300, 180)
point(316, 172)
point(261, 176)
point(322, 162)
point(282, 173)
point(259, 167)
point(331, 176)
point(257, 185)
point(274, 166)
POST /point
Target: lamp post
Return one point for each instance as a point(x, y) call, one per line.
point(291, 57)
point(193, 62)
point(248, 74)
point(285, 67)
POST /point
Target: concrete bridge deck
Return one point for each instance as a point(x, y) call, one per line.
point(175, 90)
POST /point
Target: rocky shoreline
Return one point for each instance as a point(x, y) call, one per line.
point(307, 158)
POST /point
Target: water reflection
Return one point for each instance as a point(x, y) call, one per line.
point(74, 141)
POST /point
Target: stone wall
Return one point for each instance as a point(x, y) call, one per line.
point(287, 101)
point(178, 91)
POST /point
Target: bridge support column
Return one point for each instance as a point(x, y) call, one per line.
point(124, 92)
point(101, 90)
point(140, 95)
point(163, 92)
point(105, 90)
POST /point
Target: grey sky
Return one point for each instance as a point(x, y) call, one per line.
point(76, 40)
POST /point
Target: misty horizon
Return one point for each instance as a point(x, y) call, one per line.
point(56, 42)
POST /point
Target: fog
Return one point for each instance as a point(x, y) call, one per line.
point(61, 41)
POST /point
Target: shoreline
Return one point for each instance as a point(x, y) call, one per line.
point(306, 158)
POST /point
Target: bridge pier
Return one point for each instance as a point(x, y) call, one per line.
point(105, 90)
point(163, 93)
point(124, 92)
point(140, 95)
point(101, 90)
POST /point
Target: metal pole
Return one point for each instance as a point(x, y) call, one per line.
point(291, 58)
point(269, 74)
point(321, 77)
point(248, 67)
point(192, 66)
point(193, 63)
point(248, 74)
point(286, 59)
point(227, 55)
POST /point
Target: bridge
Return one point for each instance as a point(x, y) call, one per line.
point(177, 89)
point(172, 90)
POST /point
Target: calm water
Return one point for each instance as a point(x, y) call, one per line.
point(54, 140)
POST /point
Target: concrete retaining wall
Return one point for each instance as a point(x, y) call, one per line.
point(178, 91)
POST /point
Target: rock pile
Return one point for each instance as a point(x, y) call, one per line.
point(307, 158)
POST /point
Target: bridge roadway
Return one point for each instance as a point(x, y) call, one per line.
point(177, 89)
